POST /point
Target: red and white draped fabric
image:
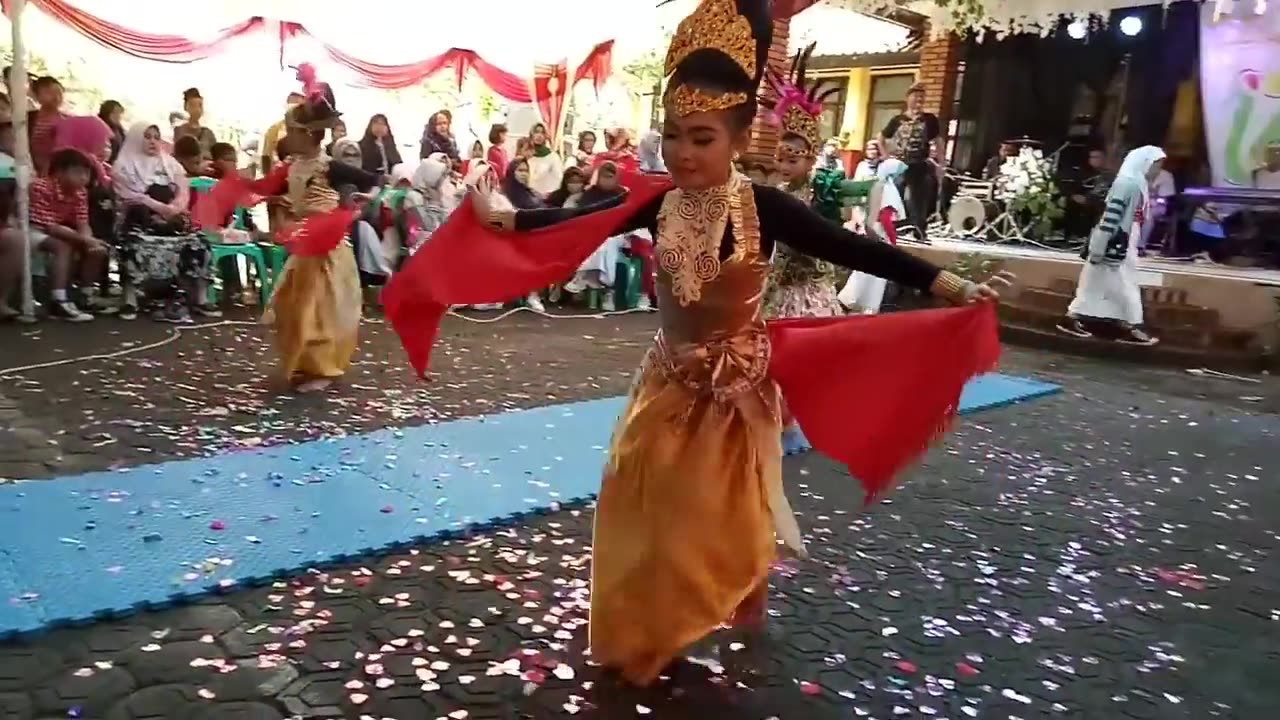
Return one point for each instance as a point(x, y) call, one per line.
point(547, 87)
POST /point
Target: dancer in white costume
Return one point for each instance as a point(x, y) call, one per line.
point(863, 293)
point(1108, 289)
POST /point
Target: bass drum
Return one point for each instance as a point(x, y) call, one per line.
point(968, 215)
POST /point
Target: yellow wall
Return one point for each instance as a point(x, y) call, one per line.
point(858, 94)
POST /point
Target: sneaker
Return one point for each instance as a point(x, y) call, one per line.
point(68, 311)
point(607, 302)
point(574, 286)
point(206, 311)
point(1074, 328)
point(98, 306)
point(554, 294)
point(645, 303)
point(535, 303)
point(1134, 336)
point(128, 311)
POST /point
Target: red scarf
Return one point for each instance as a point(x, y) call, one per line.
point(313, 237)
point(872, 392)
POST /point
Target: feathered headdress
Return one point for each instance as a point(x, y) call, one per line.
point(320, 109)
point(799, 104)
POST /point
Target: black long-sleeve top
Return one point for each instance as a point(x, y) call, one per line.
point(785, 219)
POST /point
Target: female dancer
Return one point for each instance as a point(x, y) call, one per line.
point(691, 501)
point(315, 307)
point(801, 285)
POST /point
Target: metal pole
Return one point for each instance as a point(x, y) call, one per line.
point(18, 94)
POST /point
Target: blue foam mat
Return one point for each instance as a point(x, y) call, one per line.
point(89, 546)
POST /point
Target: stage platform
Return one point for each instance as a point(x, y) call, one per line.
point(1226, 314)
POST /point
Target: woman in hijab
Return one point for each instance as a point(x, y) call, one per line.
point(370, 263)
point(517, 194)
point(599, 270)
point(111, 113)
point(870, 163)
point(545, 166)
point(161, 255)
point(650, 152)
point(863, 292)
point(516, 189)
point(1108, 289)
point(378, 146)
point(437, 137)
point(586, 149)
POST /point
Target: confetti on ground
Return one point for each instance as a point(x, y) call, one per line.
point(1109, 553)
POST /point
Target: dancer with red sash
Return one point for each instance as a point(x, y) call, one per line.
point(691, 505)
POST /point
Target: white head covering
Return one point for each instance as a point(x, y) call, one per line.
point(477, 170)
point(135, 170)
point(431, 172)
point(401, 174)
point(887, 175)
point(1138, 163)
point(650, 152)
point(347, 151)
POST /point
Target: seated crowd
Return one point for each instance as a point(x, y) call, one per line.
point(111, 227)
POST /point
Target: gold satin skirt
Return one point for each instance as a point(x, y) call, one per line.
point(315, 312)
point(684, 529)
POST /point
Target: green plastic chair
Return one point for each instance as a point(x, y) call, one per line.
point(251, 252)
point(626, 283)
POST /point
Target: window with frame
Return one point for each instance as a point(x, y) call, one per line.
point(832, 117)
point(887, 98)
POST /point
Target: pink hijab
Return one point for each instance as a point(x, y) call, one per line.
point(86, 133)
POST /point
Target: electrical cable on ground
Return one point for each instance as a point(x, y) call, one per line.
point(176, 332)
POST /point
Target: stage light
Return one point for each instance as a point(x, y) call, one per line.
point(1131, 25)
point(1078, 29)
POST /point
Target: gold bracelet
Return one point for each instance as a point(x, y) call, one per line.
point(950, 287)
point(502, 219)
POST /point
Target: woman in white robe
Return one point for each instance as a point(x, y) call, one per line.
point(863, 293)
point(1108, 289)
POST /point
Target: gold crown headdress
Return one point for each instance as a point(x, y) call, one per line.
point(715, 25)
point(799, 104)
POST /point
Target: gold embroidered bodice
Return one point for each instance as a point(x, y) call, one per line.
point(702, 297)
point(309, 190)
point(791, 268)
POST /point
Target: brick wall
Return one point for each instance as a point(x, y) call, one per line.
point(939, 61)
point(764, 134)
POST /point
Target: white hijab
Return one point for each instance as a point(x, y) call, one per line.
point(135, 170)
point(887, 176)
point(1137, 164)
point(431, 172)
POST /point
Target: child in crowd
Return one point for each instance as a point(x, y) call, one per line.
point(598, 272)
point(223, 162)
point(186, 150)
point(60, 231)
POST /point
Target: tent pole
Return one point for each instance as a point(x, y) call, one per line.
point(18, 94)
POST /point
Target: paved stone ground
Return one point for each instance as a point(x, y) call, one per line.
point(1107, 553)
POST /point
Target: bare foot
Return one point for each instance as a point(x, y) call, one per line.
point(316, 385)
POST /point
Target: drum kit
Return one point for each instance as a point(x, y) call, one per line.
point(976, 213)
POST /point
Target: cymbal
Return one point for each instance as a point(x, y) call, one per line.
point(1024, 140)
